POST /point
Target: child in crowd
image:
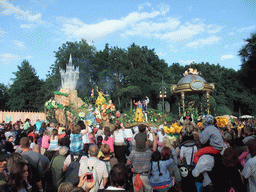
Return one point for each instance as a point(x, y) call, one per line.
point(76, 141)
point(108, 140)
point(212, 135)
point(45, 141)
point(54, 140)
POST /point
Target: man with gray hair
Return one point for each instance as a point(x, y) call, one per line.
point(56, 167)
point(101, 168)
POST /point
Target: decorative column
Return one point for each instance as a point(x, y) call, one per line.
point(183, 103)
point(201, 104)
point(208, 102)
point(179, 107)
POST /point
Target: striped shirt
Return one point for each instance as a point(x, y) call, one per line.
point(249, 172)
point(76, 142)
point(140, 161)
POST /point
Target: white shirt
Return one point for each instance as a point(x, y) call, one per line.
point(119, 136)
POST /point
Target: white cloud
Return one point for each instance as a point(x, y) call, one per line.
point(161, 54)
point(224, 57)
point(9, 9)
point(184, 32)
point(75, 28)
point(7, 58)
point(2, 33)
point(19, 44)
point(27, 26)
point(244, 29)
point(150, 27)
point(201, 42)
point(212, 29)
point(187, 62)
point(141, 6)
point(164, 8)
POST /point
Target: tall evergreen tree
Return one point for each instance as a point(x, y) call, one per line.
point(26, 88)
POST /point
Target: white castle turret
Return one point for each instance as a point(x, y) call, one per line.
point(69, 77)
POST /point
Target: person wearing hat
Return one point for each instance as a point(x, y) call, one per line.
point(3, 162)
point(212, 136)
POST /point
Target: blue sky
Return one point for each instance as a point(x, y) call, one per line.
point(179, 31)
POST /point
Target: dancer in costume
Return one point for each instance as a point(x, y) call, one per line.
point(145, 107)
point(100, 100)
point(90, 116)
point(138, 114)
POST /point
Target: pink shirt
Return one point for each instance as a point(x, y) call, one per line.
point(45, 141)
point(110, 142)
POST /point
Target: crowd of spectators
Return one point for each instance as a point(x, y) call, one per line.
point(77, 157)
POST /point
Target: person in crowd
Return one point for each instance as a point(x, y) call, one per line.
point(118, 178)
point(65, 187)
point(211, 134)
point(249, 171)
point(188, 146)
point(140, 138)
point(9, 133)
point(36, 160)
point(3, 163)
point(160, 179)
point(38, 124)
point(32, 130)
point(9, 147)
point(85, 130)
point(65, 141)
point(20, 179)
point(31, 142)
point(101, 168)
point(54, 139)
point(106, 157)
point(42, 129)
point(141, 165)
point(56, 169)
point(248, 131)
point(45, 141)
point(166, 154)
point(76, 140)
point(27, 124)
point(108, 140)
point(120, 147)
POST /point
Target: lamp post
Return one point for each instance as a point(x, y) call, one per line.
point(162, 94)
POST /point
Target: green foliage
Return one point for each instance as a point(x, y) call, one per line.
point(4, 96)
point(26, 91)
point(248, 58)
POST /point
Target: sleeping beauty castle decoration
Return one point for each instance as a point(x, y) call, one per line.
point(66, 105)
point(69, 77)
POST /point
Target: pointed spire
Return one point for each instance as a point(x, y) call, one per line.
point(70, 60)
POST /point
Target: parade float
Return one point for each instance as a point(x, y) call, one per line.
point(66, 105)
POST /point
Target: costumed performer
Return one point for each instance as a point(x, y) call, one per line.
point(100, 100)
point(91, 95)
point(138, 114)
point(145, 107)
point(90, 116)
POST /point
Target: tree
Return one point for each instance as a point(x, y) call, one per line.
point(26, 88)
point(83, 57)
point(4, 96)
point(248, 67)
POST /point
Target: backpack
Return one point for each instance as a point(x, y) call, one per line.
point(92, 169)
point(71, 174)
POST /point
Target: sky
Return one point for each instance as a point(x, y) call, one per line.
point(182, 32)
